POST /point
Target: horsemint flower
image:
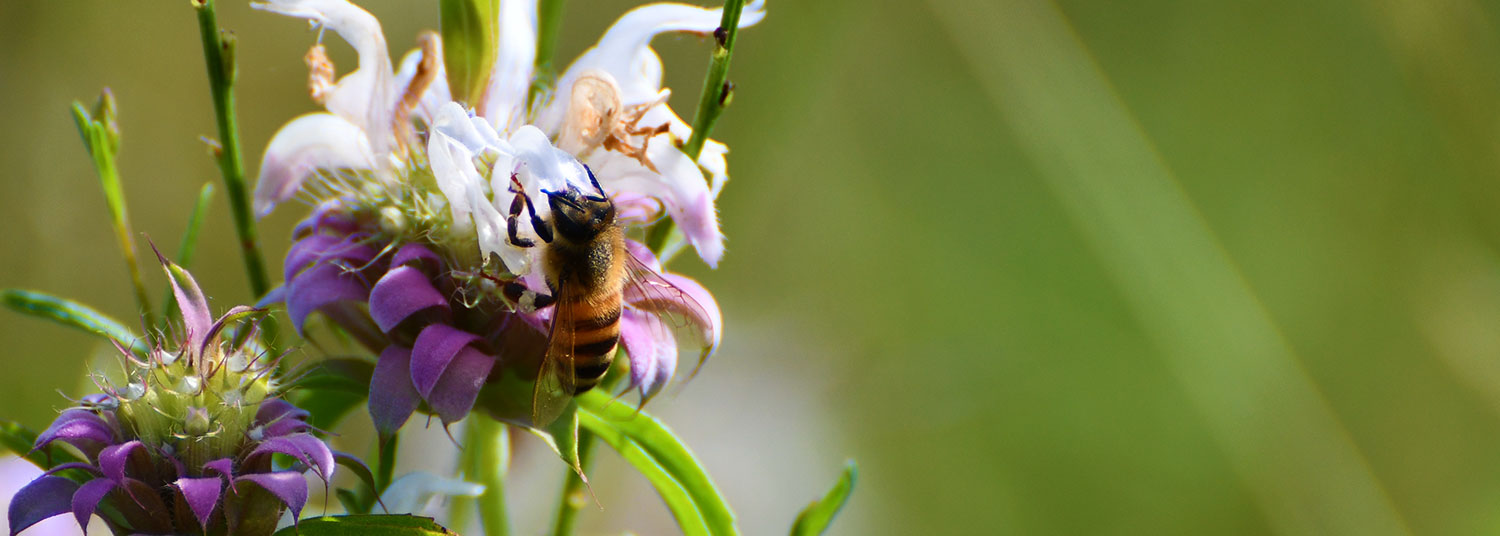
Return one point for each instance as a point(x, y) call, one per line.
point(413, 190)
point(186, 445)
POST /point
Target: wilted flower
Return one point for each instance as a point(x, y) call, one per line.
point(418, 195)
point(185, 445)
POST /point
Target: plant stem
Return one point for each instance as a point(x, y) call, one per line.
point(101, 137)
point(490, 446)
point(664, 238)
point(716, 92)
point(218, 53)
point(573, 497)
point(386, 464)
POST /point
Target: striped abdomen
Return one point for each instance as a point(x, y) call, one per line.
point(596, 331)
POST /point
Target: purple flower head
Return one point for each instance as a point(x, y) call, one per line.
point(186, 445)
point(417, 250)
point(445, 331)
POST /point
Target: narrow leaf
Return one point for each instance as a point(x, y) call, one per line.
point(678, 500)
point(72, 314)
point(562, 436)
point(366, 525)
point(817, 516)
point(601, 414)
point(469, 33)
point(101, 137)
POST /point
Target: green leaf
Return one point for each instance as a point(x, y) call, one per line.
point(654, 451)
point(101, 136)
point(469, 35)
point(365, 525)
point(817, 516)
point(678, 500)
point(72, 314)
point(332, 388)
point(19, 439)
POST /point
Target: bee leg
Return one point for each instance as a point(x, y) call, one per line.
point(601, 197)
point(512, 223)
point(526, 298)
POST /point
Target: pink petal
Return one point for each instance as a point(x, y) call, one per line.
point(288, 486)
point(303, 147)
point(42, 498)
point(201, 494)
point(392, 396)
point(625, 51)
point(364, 97)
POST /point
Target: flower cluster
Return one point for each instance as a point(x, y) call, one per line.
point(186, 445)
point(419, 228)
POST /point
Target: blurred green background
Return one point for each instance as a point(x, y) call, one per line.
point(1079, 267)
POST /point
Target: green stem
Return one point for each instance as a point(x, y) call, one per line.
point(218, 53)
point(716, 91)
point(664, 238)
point(490, 443)
point(573, 493)
point(102, 139)
point(386, 464)
point(549, 26)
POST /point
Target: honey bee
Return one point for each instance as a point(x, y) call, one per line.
point(589, 272)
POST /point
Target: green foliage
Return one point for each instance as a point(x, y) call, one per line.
point(101, 136)
point(329, 389)
point(72, 314)
point(189, 244)
point(817, 516)
point(19, 440)
point(653, 450)
point(365, 525)
point(469, 34)
point(218, 56)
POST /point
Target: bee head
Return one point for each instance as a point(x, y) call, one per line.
point(578, 217)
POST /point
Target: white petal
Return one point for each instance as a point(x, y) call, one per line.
point(541, 166)
point(437, 92)
point(410, 493)
point(454, 141)
point(510, 79)
point(312, 142)
point(364, 96)
point(625, 51)
point(679, 185)
point(712, 156)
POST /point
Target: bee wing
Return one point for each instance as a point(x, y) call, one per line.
point(554, 382)
point(679, 302)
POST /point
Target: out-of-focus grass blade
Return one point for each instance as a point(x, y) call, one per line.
point(72, 314)
point(366, 525)
point(1305, 472)
point(189, 244)
point(817, 516)
point(604, 416)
